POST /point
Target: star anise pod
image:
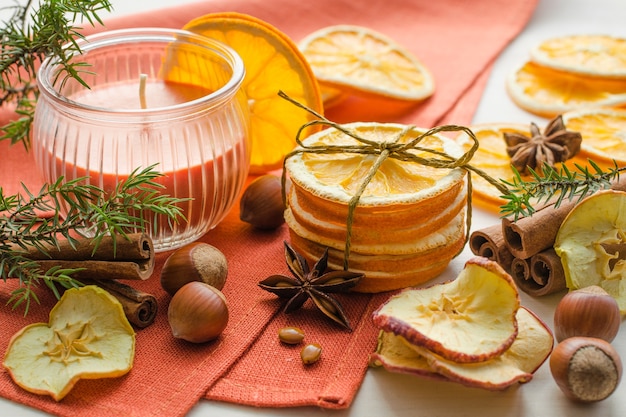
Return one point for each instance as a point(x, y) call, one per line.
point(556, 144)
point(312, 283)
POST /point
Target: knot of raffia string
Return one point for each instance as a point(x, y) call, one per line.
point(394, 148)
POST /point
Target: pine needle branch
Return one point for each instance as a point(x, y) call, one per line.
point(31, 34)
point(75, 209)
point(555, 186)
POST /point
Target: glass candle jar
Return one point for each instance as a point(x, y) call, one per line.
point(155, 96)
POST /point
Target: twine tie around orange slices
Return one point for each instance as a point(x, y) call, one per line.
point(390, 149)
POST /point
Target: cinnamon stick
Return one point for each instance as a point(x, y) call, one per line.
point(489, 243)
point(114, 258)
point(547, 272)
point(540, 275)
point(530, 235)
point(139, 307)
point(520, 271)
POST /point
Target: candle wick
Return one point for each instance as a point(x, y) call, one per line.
point(142, 90)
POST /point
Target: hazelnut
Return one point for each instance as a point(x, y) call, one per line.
point(590, 312)
point(194, 262)
point(198, 313)
point(586, 369)
point(261, 204)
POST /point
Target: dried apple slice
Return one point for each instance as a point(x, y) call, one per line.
point(469, 319)
point(87, 336)
point(531, 348)
point(592, 244)
point(529, 351)
point(395, 355)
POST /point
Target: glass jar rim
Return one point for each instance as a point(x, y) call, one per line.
point(165, 35)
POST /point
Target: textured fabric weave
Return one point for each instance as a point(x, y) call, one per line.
point(457, 40)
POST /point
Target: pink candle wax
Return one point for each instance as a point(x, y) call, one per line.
point(126, 96)
point(192, 182)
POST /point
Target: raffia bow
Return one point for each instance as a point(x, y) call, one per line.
point(390, 149)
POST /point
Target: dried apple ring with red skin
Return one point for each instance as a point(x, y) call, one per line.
point(588, 243)
point(480, 304)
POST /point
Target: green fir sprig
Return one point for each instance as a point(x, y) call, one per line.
point(72, 209)
point(555, 186)
point(33, 32)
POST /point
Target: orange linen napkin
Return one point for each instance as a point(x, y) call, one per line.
point(458, 41)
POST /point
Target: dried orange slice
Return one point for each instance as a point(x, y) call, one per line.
point(603, 131)
point(409, 222)
point(331, 96)
point(491, 157)
point(590, 55)
point(547, 92)
point(338, 175)
point(360, 60)
point(273, 62)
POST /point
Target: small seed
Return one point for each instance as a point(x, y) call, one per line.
point(311, 353)
point(338, 280)
point(326, 305)
point(291, 335)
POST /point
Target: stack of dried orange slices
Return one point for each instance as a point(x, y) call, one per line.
point(570, 72)
point(410, 219)
point(350, 59)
